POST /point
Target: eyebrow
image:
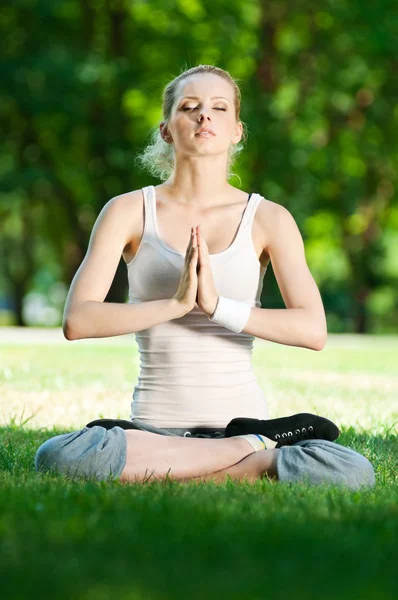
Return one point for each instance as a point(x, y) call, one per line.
point(213, 98)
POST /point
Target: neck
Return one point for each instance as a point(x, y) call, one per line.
point(199, 181)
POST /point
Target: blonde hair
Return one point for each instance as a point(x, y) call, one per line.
point(158, 157)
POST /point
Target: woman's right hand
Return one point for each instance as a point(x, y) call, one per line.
point(188, 288)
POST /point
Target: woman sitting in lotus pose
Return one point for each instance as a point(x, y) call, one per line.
point(196, 250)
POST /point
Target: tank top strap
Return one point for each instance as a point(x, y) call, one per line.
point(149, 216)
point(244, 228)
point(250, 211)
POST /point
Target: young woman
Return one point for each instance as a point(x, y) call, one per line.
point(196, 250)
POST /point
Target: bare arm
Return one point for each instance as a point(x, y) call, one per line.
point(303, 322)
point(95, 319)
point(86, 315)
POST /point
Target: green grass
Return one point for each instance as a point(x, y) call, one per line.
point(84, 539)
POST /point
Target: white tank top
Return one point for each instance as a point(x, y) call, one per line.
point(193, 372)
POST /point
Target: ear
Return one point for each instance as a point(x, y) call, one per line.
point(164, 132)
point(239, 132)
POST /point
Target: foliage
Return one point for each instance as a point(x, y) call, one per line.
point(81, 89)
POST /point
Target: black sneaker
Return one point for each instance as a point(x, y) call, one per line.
point(109, 423)
point(286, 430)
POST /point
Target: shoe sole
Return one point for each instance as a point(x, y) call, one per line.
point(323, 428)
point(109, 423)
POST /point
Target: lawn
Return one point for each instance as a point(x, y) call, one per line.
point(88, 540)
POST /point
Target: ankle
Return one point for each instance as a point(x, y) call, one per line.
point(268, 461)
point(258, 441)
point(245, 446)
point(270, 443)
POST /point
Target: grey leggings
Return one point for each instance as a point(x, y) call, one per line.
point(101, 453)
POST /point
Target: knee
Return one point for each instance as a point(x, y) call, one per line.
point(321, 461)
point(353, 470)
point(90, 452)
point(45, 456)
point(49, 456)
point(362, 472)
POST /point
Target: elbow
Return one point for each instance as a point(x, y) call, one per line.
point(71, 324)
point(68, 332)
point(320, 342)
point(319, 333)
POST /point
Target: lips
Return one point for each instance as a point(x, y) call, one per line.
point(205, 130)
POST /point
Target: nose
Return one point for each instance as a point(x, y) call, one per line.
point(203, 113)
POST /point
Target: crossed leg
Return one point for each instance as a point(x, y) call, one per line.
point(255, 466)
point(155, 456)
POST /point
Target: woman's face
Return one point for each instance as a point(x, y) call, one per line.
point(212, 106)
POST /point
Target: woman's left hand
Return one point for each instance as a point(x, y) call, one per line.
point(207, 296)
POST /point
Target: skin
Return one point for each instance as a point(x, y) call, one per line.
point(198, 190)
point(199, 182)
point(197, 195)
point(151, 456)
point(201, 163)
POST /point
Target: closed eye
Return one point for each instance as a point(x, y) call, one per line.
point(194, 107)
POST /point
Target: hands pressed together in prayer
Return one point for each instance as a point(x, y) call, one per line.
point(197, 284)
point(206, 297)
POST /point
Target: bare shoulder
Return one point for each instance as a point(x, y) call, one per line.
point(270, 208)
point(275, 220)
point(266, 218)
point(131, 208)
point(133, 214)
point(129, 201)
point(280, 228)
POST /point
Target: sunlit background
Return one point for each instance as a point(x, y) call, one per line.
point(81, 90)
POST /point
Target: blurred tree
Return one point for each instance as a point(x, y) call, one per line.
point(327, 147)
point(81, 87)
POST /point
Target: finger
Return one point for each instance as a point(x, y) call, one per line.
point(201, 241)
point(194, 261)
point(194, 238)
point(191, 252)
point(191, 237)
point(189, 246)
point(202, 250)
point(198, 240)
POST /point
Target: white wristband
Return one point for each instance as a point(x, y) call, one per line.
point(232, 314)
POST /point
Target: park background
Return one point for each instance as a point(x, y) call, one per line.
point(80, 93)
